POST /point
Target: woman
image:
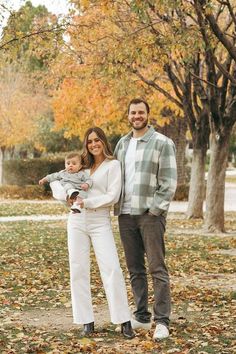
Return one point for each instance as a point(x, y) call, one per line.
point(93, 225)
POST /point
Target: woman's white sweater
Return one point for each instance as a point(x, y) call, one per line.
point(106, 187)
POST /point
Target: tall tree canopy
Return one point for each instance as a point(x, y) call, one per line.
point(98, 80)
point(30, 42)
point(183, 50)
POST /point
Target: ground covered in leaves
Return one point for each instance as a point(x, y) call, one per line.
point(35, 309)
point(16, 208)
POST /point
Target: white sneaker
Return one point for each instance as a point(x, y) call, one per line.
point(161, 332)
point(139, 325)
point(72, 193)
point(75, 208)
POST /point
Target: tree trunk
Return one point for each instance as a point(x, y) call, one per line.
point(176, 130)
point(2, 150)
point(197, 184)
point(214, 220)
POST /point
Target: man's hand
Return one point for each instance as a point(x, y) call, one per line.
point(149, 213)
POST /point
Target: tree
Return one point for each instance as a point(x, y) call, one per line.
point(26, 29)
point(21, 103)
point(31, 40)
point(50, 140)
point(217, 24)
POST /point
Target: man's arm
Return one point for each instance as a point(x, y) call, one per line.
point(166, 179)
point(116, 150)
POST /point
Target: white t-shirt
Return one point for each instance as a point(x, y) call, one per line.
point(129, 175)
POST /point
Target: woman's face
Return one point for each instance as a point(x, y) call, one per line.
point(94, 145)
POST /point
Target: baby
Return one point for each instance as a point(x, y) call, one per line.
point(70, 182)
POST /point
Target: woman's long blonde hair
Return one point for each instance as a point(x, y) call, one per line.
point(87, 158)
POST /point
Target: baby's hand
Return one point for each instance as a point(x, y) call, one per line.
point(43, 181)
point(84, 186)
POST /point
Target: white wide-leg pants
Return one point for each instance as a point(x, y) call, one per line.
point(58, 192)
point(94, 226)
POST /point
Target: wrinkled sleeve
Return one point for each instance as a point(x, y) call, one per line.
point(166, 179)
point(112, 191)
point(57, 176)
point(86, 179)
point(116, 149)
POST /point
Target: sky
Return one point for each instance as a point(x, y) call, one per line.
point(56, 6)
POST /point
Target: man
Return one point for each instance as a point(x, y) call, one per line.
point(149, 182)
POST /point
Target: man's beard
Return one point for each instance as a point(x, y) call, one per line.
point(140, 127)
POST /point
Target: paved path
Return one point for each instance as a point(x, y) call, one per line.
point(230, 201)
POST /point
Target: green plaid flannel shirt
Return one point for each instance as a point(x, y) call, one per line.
point(155, 173)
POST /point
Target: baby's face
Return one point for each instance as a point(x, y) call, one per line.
point(72, 165)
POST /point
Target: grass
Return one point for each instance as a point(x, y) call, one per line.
point(35, 276)
point(230, 179)
point(15, 208)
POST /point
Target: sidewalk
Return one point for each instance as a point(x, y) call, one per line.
point(230, 201)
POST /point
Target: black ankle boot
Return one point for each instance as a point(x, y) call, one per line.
point(88, 329)
point(126, 330)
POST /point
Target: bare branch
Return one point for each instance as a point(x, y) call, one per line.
point(157, 87)
point(231, 11)
point(58, 28)
point(224, 86)
point(176, 83)
point(201, 79)
point(224, 71)
point(230, 47)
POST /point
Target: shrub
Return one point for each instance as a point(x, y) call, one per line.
point(24, 192)
point(30, 171)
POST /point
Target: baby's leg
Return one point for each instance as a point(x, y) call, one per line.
point(58, 191)
point(72, 193)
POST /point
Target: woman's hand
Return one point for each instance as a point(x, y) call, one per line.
point(79, 201)
point(70, 201)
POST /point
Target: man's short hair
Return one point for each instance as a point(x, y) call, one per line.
point(137, 101)
point(72, 154)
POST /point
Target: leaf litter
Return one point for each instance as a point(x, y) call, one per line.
point(35, 312)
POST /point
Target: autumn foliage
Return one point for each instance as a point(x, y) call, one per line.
point(108, 43)
point(21, 104)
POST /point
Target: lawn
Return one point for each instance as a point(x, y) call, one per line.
point(35, 283)
point(15, 208)
point(230, 179)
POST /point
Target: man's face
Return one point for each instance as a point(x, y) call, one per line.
point(138, 116)
point(72, 165)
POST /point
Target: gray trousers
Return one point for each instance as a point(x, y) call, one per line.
point(140, 235)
